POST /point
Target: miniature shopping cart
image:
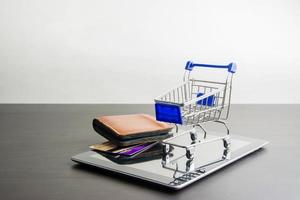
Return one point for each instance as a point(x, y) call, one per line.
point(194, 102)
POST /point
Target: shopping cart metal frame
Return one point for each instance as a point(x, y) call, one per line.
point(195, 102)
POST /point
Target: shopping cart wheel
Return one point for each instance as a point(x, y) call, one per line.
point(226, 154)
point(227, 150)
point(166, 148)
point(226, 142)
point(165, 159)
point(190, 165)
point(193, 134)
point(190, 152)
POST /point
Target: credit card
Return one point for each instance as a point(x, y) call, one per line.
point(108, 147)
point(133, 150)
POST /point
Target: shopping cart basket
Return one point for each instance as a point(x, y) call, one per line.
point(197, 101)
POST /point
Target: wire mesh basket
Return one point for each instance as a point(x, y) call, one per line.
point(196, 101)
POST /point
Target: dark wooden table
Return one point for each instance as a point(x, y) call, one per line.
point(37, 141)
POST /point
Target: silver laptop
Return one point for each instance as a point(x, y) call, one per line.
point(175, 170)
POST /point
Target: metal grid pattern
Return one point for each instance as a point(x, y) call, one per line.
point(197, 109)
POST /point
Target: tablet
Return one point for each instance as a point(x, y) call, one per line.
point(175, 170)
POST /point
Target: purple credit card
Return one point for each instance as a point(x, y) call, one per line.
point(135, 149)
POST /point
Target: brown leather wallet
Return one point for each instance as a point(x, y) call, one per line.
point(134, 126)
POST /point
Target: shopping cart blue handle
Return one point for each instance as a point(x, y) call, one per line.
point(231, 66)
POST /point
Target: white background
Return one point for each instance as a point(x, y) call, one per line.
point(108, 51)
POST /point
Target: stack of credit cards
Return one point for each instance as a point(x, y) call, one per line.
point(110, 148)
